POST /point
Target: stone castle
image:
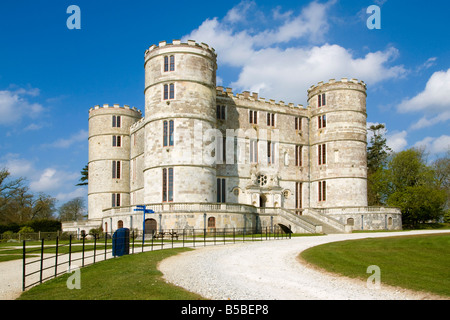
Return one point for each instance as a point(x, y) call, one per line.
point(205, 157)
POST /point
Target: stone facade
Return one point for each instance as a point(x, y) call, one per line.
point(202, 152)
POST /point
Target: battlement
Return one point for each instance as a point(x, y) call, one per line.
point(137, 125)
point(334, 81)
point(191, 43)
point(228, 92)
point(115, 106)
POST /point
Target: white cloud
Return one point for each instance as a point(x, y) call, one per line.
point(433, 101)
point(80, 136)
point(397, 140)
point(16, 166)
point(49, 180)
point(277, 69)
point(52, 180)
point(435, 145)
point(434, 98)
point(14, 106)
point(66, 196)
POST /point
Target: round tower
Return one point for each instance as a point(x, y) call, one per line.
point(109, 157)
point(180, 109)
point(338, 152)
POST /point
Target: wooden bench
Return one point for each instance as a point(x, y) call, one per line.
point(161, 235)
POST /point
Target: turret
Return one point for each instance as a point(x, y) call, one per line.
point(180, 107)
point(338, 144)
point(109, 157)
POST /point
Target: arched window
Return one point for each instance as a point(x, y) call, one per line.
point(211, 222)
point(168, 133)
point(172, 63)
point(169, 91)
point(350, 221)
point(166, 63)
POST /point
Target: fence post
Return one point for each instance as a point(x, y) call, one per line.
point(56, 258)
point(106, 242)
point(234, 235)
point(162, 239)
point(224, 235)
point(82, 255)
point(23, 267)
point(183, 237)
point(42, 260)
point(95, 246)
point(204, 237)
point(132, 245)
point(70, 250)
point(172, 238)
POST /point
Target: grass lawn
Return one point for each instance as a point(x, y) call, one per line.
point(131, 277)
point(420, 263)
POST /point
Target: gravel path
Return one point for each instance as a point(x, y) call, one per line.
point(270, 270)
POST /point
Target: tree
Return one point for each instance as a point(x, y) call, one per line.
point(72, 210)
point(442, 169)
point(411, 185)
point(84, 176)
point(377, 150)
point(18, 205)
point(377, 155)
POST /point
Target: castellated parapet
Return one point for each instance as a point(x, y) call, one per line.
point(204, 157)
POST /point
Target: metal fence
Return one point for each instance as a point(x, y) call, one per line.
point(46, 258)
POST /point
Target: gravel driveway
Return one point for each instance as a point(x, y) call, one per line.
point(267, 270)
point(270, 270)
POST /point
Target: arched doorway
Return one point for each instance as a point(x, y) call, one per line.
point(150, 226)
point(262, 201)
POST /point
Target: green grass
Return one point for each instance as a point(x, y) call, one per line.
point(131, 277)
point(420, 263)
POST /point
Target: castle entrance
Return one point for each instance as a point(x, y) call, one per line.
point(262, 201)
point(150, 226)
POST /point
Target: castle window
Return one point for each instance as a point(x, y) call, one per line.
point(322, 191)
point(172, 63)
point(298, 123)
point(253, 151)
point(116, 141)
point(322, 100)
point(271, 119)
point(168, 133)
point(221, 112)
point(169, 66)
point(167, 185)
point(298, 195)
point(322, 154)
point(211, 222)
point(253, 117)
point(322, 121)
point(166, 63)
point(169, 91)
point(116, 121)
point(270, 152)
point(116, 169)
point(115, 200)
point(261, 180)
point(221, 188)
point(298, 156)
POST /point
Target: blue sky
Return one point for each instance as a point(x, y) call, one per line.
point(50, 76)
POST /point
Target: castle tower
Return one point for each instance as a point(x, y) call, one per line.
point(109, 157)
point(338, 156)
point(180, 106)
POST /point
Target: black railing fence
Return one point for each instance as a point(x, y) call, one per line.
point(46, 259)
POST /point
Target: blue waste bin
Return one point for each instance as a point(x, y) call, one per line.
point(121, 242)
